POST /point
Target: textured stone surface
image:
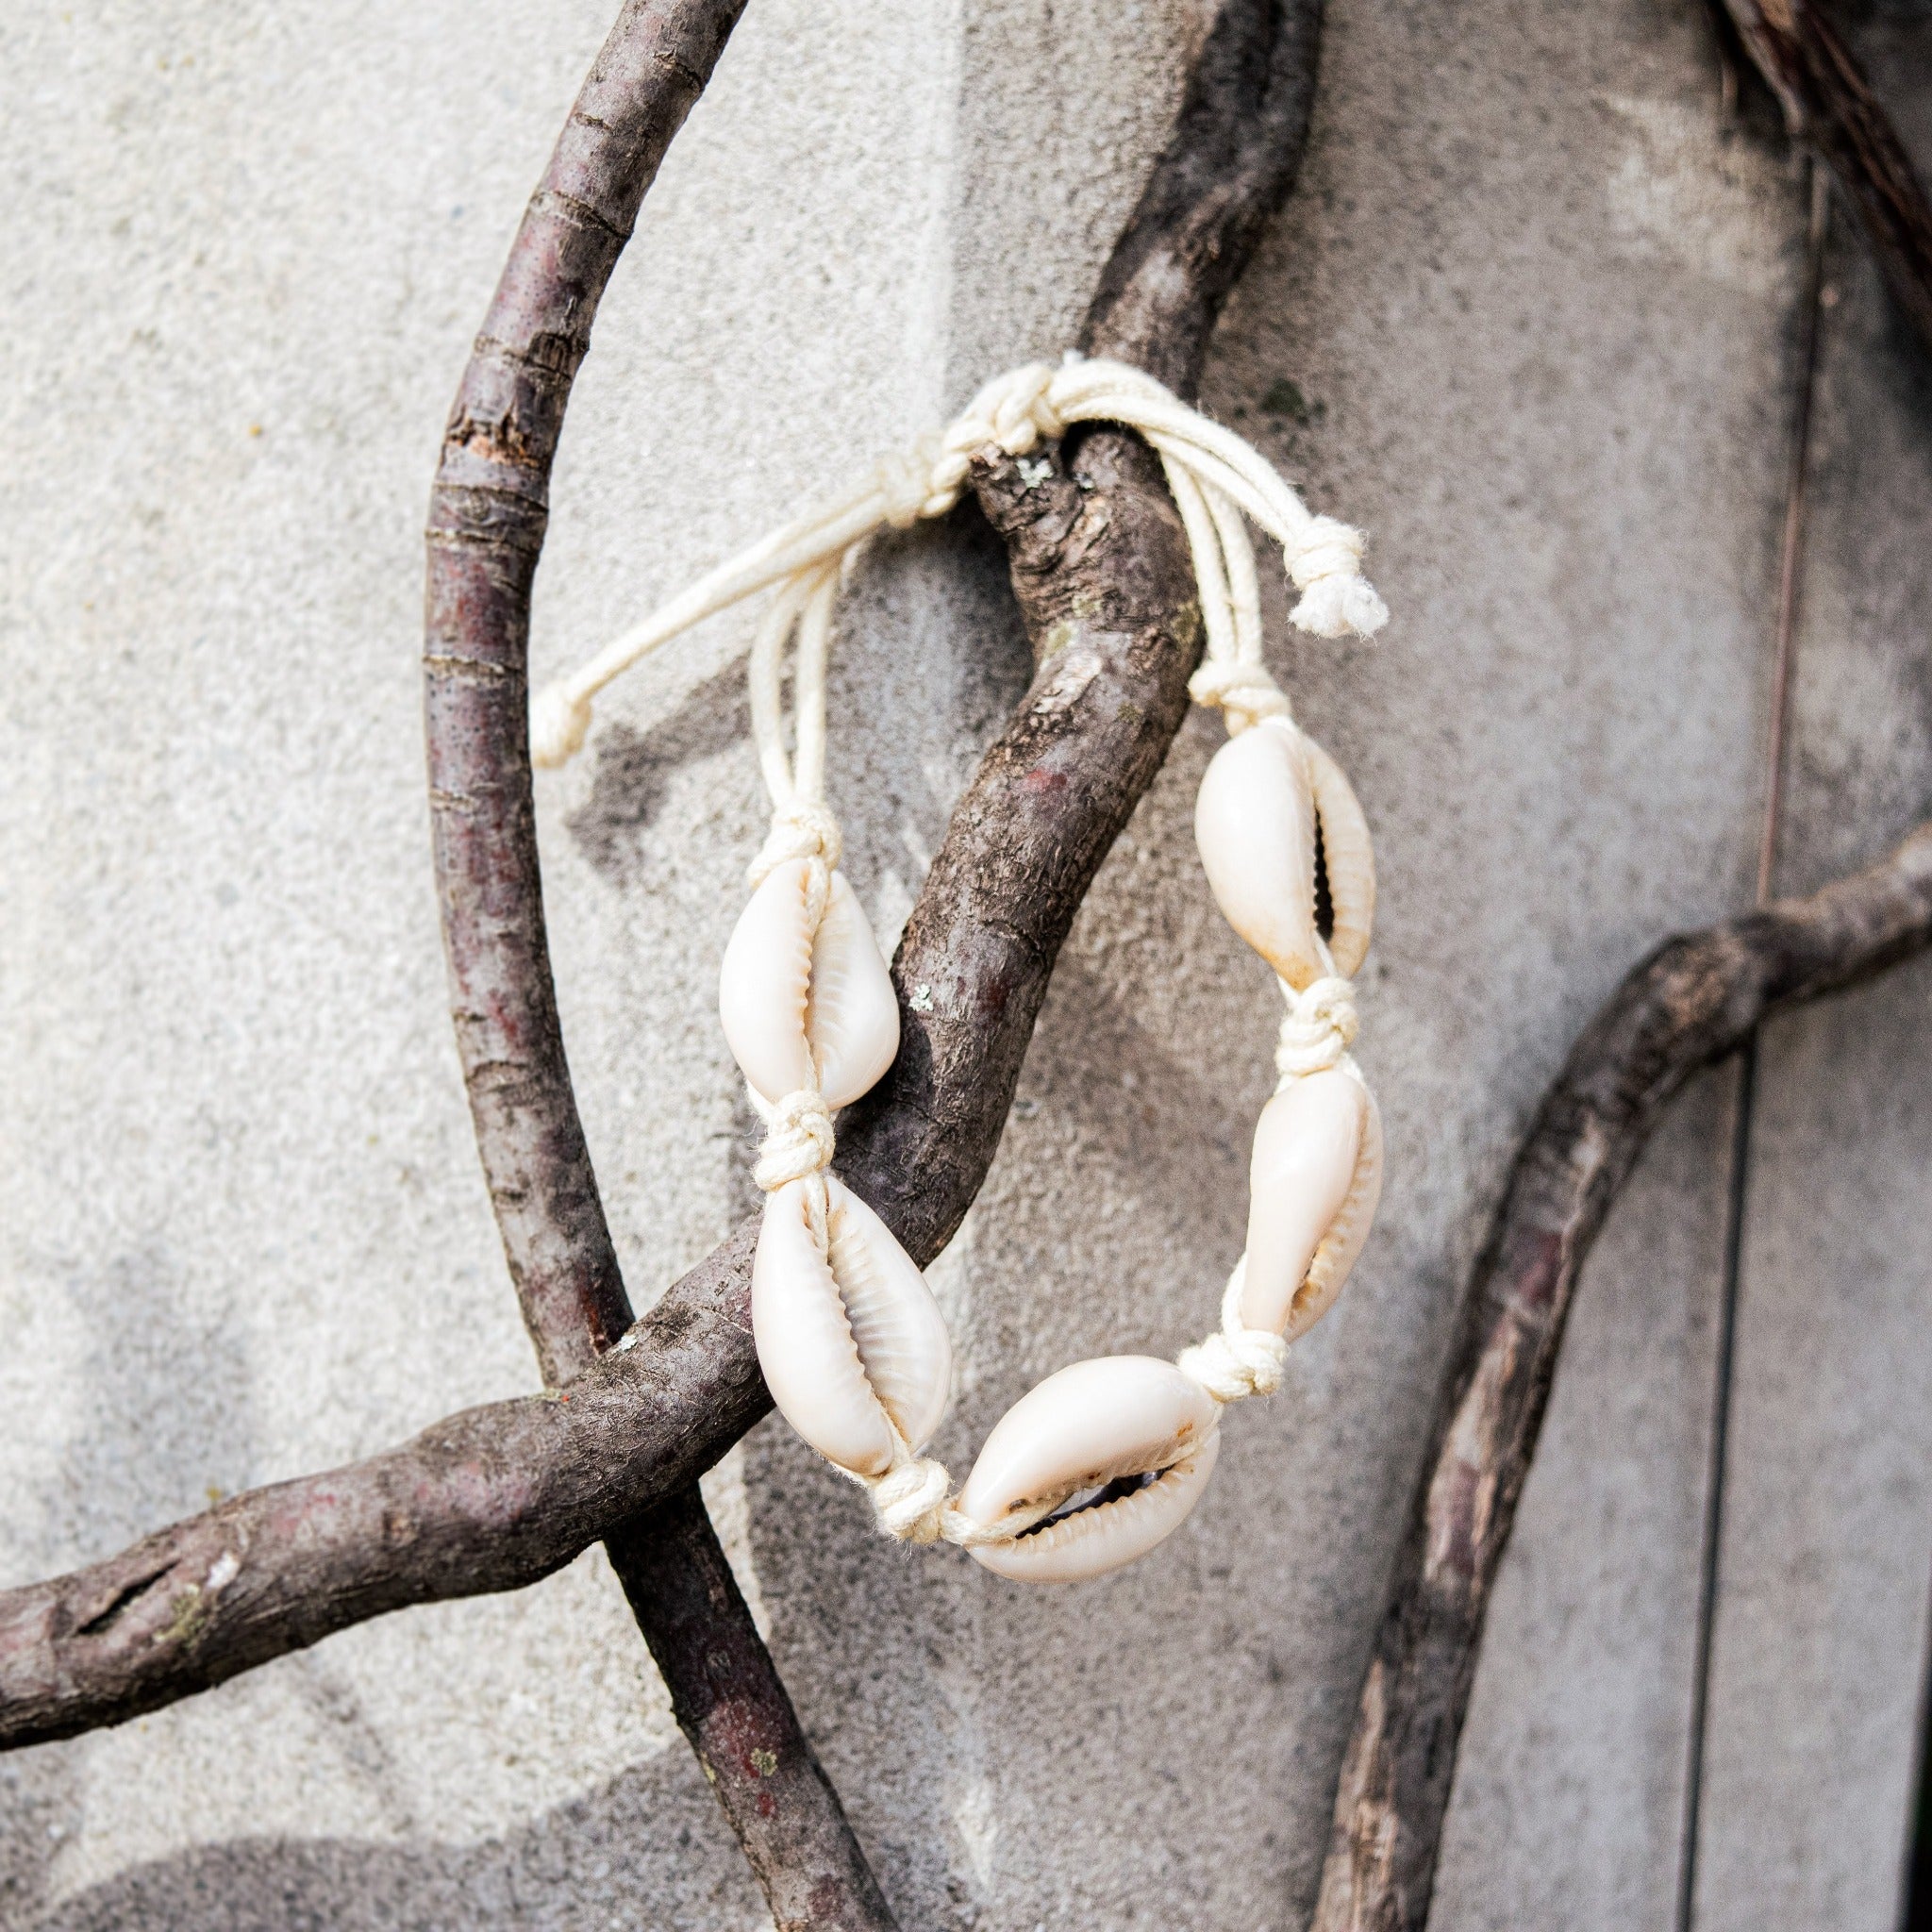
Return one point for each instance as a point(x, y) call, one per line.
point(1528, 320)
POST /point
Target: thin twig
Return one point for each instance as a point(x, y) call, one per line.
point(1691, 1003)
point(733, 1708)
point(498, 1496)
point(1828, 101)
point(486, 521)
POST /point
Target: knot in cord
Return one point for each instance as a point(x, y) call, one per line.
point(1015, 414)
point(1318, 1028)
point(1236, 1361)
point(1023, 412)
point(1326, 566)
point(799, 830)
point(918, 482)
point(798, 1141)
point(1244, 692)
point(910, 1499)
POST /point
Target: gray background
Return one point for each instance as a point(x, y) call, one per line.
point(1540, 297)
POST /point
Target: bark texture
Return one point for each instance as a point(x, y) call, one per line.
point(1828, 101)
point(1234, 154)
point(734, 1712)
point(487, 518)
point(487, 523)
point(1692, 1002)
point(502, 1494)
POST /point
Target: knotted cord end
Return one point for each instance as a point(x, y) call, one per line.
point(558, 723)
point(1326, 566)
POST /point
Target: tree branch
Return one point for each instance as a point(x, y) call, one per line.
point(1233, 156)
point(1692, 1002)
point(500, 1495)
point(733, 1708)
point(487, 520)
point(1828, 101)
point(487, 514)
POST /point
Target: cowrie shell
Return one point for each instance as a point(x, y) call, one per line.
point(1092, 1425)
point(851, 1343)
point(1348, 856)
point(1255, 824)
point(789, 1000)
point(1314, 1179)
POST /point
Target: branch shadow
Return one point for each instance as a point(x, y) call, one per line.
point(930, 657)
point(647, 1849)
point(634, 768)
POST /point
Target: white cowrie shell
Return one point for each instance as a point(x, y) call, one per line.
point(1348, 857)
point(786, 999)
point(1314, 1181)
point(1255, 824)
point(1091, 1542)
point(1089, 1425)
point(846, 1341)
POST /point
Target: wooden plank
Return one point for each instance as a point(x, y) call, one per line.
point(1824, 1606)
point(1569, 1794)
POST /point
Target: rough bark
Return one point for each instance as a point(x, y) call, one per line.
point(500, 1495)
point(1692, 1002)
point(1828, 101)
point(754, 1753)
point(491, 1499)
point(1234, 154)
point(486, 521)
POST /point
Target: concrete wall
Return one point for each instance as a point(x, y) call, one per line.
point(1538, 299)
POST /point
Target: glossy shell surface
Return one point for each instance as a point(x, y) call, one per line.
point(1347, 1233)
point(787, 999)
point(1314, 1180)
point(1255, 824)
point(1091, 1425)
point(846, 1341)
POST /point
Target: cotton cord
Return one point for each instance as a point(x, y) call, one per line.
point(1219, 482)
point(1317, 1030)
point(1236, 1361)
point(1219, 485)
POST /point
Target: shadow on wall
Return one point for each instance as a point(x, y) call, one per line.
point(908, 714)
point(648, 1849)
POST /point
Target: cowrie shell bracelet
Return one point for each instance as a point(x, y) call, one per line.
point(1101, 1461)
